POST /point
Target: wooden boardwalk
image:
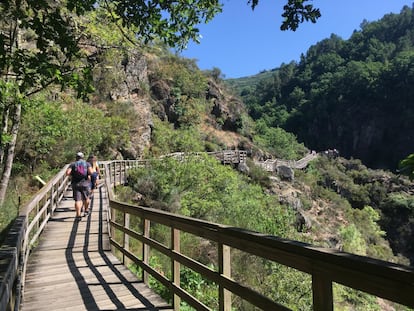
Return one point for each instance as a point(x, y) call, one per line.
point(72, 268)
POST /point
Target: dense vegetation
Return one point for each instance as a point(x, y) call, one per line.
point(334, 202)
point(201, 187)
point(354, 95)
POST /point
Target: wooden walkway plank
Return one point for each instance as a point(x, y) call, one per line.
point(72, 268)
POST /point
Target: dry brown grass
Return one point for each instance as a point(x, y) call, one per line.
point(226, 138)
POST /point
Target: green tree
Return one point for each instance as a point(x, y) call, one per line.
point(216, 74)
point(39, 44)
point(43, 126)
point(281, 143)
point(49, 134)
point(406, 166)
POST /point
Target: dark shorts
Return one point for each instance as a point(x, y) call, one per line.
point(81, 190)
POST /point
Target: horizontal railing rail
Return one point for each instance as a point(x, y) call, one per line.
point(325, 266)
point(224, 156)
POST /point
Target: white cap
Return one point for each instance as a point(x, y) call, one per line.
point(80, 155)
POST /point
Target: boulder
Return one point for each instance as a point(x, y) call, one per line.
point(285, 172)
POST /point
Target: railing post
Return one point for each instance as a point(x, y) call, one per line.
point(145, 250)
point(175, 266)
point(52, 199)
point(112, 213)
point(110, 174)
point(225, 270)
point(322, 293)
point(49, 209)
point(113, 174)
point(37, 226)
point(126, 221)
point(126, 167)
point(120, 172)
point(116, 164)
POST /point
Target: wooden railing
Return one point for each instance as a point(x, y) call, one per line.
point(325, 266)
point(224, 156)
point(271, 165)
point(15, 250)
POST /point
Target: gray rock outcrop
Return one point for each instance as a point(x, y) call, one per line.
point(129, 84)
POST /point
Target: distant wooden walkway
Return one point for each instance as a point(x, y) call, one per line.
point(271, 165)
point(72, 268)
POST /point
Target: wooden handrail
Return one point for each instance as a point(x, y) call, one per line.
point(26, 229)
point(224, 156)
point(383, 279)
point(380, 278)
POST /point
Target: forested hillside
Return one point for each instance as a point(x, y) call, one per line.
point(354, 95)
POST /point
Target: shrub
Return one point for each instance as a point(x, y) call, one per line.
point(258, 174)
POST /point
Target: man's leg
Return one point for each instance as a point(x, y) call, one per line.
point(78, 208)
point(86, 205)
point(86, 200)
point(77, 196)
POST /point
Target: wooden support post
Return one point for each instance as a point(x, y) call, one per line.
point(175, 266)
point(126, 238)
point(49, 210)
point(322, 293)
point(37, 213)
point(110, 175)
point(122, 176)
point(146, 250)
point(114, 175)
point(117, 173)
point(121, 173)
point(112, 228)
point(224, 269)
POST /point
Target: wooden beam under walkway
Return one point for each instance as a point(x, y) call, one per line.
point(72, 267)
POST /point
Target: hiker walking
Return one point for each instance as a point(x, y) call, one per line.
point(80, 170)
point(96, 173)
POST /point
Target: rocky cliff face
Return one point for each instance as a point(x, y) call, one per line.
point(226, 108)
point(380, 138)
point(130, 79)
point(130, 86)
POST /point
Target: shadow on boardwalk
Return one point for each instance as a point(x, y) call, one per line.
point(72, 268)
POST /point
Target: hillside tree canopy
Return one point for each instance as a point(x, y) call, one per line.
point(41, 45)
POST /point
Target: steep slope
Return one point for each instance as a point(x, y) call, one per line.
point(353, 95)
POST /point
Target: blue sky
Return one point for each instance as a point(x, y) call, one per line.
point(242, 42)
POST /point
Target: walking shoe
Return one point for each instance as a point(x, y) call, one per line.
point(86, 213)
point(78, 218)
